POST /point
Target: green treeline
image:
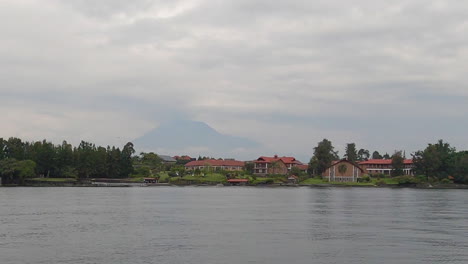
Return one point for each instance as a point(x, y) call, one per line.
point(20, 160)
point(437, 162)
point(441, 161)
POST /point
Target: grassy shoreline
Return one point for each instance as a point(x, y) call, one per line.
point(216, 180)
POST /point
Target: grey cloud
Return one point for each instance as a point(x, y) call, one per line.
point(320, 66)
point(104, 9)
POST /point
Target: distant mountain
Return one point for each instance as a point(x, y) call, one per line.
point(185, 135)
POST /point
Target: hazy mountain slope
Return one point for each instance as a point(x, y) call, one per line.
point(183, 134)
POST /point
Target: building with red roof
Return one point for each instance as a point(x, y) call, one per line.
point(213, 164)
point(184, 157)
point(384, 166)
point(343, 171)
point(303, 167)
point(274, 165)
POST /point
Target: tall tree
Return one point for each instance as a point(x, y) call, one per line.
point(100, 163)
point(434, 161)
point(65, 164)
point(126, 160)
point(84, 159)
point(351, 153)
point(313, 165)
point(150, 159)
point(459, 166)
point(14, 171)
point(363, 154)
point(249, 167)
point(113, 162)
point(397, 163)
point(324, 155)
point(2, 149)
point(15, 148)
point(44, 154)
point(376, 155)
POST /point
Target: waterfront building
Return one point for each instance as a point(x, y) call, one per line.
point(343, 171)
point(213, 164)
point(166, 159)
point(384, 166)
point(275, 165)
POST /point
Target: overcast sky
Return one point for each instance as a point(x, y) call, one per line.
point(386, 75)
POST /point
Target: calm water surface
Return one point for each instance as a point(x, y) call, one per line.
point(232, 225)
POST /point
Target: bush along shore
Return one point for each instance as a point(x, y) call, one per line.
point(218, 179)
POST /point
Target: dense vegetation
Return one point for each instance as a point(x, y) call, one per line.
point(20, 160)
point(441, 161)
point(42, 160)
point(438, 162)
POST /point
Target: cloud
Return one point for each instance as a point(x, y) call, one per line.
point(385, 75)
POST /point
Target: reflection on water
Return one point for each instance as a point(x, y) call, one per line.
point(232, 225)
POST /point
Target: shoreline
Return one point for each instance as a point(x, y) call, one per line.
point(219, 185)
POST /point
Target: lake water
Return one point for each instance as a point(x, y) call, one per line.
point(232, 225)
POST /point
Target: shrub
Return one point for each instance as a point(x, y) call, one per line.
point(278, 177)
point(445, 181)
point(421, 178)
point(141, 172)
point(172, 174)
point(407, 180)
point(69, 172)
point(364, 179)
point(378, 175)
point(381, 183)
point(303, 178)
point(433, 180)
point(163, 178)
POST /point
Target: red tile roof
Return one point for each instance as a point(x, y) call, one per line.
point(213, 162)
point(336, 162)
point(383, 162)
point(185, 157)
point(303, 166)
point(285, 160)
